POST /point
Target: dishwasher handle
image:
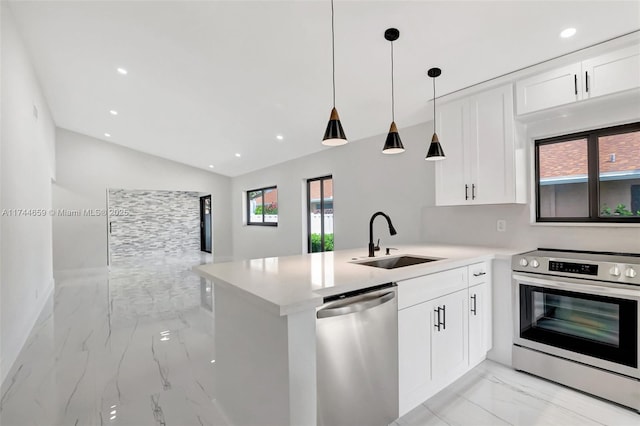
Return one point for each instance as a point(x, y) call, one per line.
point(357, 306)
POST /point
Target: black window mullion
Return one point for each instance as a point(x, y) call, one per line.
point(322, 214)
point(593, 173)
point(263, 208)
point(309, 215)
point(594, 178)
point(537, 178)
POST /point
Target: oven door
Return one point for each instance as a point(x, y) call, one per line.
point(591, 322)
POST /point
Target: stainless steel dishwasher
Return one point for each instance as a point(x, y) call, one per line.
point(357, 362)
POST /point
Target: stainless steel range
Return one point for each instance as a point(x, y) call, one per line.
point(577, 320)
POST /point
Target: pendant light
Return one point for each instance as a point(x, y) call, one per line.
point(435, 150)
point(334, 135)
point(393, 144)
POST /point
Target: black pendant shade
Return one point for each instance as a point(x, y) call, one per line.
point(334, 135)
point(393, 144)
point(435, 151)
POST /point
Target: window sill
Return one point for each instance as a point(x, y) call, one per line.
point(587, 224)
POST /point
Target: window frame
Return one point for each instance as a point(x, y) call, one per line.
point(248, 209)
point(322, 233)
point(593, 175)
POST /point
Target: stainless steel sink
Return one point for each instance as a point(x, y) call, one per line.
point(397, 262)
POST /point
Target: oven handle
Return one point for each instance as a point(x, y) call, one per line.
point(579, 286)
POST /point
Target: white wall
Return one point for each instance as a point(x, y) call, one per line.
point(476, 225)
point(27, 168)
point(364, 181)
point(88, 166)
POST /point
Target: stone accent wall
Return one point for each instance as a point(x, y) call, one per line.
point(158, 223)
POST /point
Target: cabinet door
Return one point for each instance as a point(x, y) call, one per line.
point(614, 72)
point(449, 356)
point(492, 146)
point(451, 173)
point(414, 355)
point(552, 88)
point(479, 323)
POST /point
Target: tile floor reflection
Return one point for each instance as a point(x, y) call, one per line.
point(135, 347)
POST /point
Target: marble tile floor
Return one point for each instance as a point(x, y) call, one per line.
point(496, 395)
point(135, 348)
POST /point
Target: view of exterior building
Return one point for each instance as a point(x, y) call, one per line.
point(563, 180)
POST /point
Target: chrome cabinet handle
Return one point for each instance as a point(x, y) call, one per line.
point(473, 191)
point(474, 310)
point(575, 83)
point(466, 192)
point(355, 307)
point(479, 274)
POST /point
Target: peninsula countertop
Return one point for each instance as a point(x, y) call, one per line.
point(289, 284)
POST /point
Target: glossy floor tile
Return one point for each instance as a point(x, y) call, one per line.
point(493, 394)
point(135, 348)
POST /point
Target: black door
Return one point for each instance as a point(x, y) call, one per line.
point(205, 223)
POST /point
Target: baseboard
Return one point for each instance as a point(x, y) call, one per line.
point(62, 274)
point(223, 259)
point(7, 364)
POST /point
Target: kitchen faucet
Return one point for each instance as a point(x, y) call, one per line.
point(392, 231)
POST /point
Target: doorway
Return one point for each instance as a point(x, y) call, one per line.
point(205, 223)
point(320, 214)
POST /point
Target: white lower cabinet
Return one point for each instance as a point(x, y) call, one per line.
point(449, 355)
point(440, 339)
point(414, 355)
point(479, 323)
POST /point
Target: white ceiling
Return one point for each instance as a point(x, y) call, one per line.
point(209, 79)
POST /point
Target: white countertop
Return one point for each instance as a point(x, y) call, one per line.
point(290, 284)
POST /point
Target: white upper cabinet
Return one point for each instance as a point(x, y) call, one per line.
point(479, 139)
point(452, 173)
point(552, 88)
point(613, 72)
point(606, 74)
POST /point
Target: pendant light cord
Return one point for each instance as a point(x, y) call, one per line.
point(333, 55)
point(393, 102)
point(434, 105)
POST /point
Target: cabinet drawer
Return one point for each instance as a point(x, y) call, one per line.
point(478, 273)
point(420, 289)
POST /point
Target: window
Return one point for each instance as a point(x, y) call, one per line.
point(590, 176)
point(262, 206)
point(320, 214)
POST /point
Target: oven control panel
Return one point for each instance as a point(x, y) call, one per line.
point(623, 268)
point(573, 268)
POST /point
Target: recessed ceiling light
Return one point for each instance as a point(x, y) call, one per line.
point(108, 135)
point(279, 137)
point(238, 155)
point(211, 166)
point(122, 71)
point(569, 32)
point(113, 112)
